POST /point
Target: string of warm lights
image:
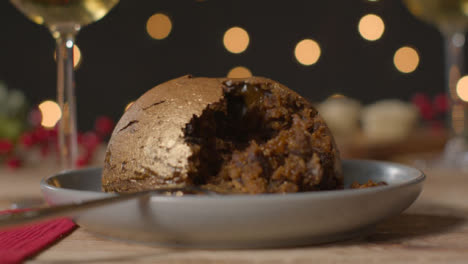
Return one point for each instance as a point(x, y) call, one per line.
point(406, 59)
point(371, 27)
point(239, 72)
point(236, 40)
point(50, 112)
point(307, 52)
point(159, 26)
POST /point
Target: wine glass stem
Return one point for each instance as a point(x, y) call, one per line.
point(454, 68)
point(67, 131)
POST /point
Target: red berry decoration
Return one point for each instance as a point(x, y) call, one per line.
point(13, 162)
point(6, 146)
point(104, 126)
point(40, 135)
point(52, 133)
point(27, 140)
point(441, 103)
point(423, 103)
point(45, 140)
point(83, 160)
point(427, 112)
point(90, 141)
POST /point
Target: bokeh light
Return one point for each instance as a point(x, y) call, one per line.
point(37, 19)
point(236, 40)
point(76, 56)
point(50, 112)
point(406, 59)
point(128, 105)
point(159, 26)
point(307, 51)
point(239, 72)
point(337, 96)
point(462, 88)
point(371, 27)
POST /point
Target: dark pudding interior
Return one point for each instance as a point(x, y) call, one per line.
point(257, 141)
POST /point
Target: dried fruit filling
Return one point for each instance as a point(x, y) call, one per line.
point(260, 140)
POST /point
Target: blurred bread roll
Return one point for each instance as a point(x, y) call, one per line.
point(342, 115)
point(389, 120)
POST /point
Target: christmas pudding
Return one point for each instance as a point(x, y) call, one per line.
point(250, 135)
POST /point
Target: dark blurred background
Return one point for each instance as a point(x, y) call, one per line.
point(120, 60)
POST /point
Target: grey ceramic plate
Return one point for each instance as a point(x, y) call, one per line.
point(244, 221)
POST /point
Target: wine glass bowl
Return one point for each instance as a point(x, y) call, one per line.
point(64, 18)
point(447, 15)
point(73, 13)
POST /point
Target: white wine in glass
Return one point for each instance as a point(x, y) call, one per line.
point(451, 18)
point(452, 14)
point(64, 18)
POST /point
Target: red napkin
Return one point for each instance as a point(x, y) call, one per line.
point(19, 243)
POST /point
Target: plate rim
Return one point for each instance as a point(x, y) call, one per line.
point(420, 178)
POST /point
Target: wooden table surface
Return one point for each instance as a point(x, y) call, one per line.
point(433, 230)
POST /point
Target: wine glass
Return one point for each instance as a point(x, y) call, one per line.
point(451, 18)
point(64, 18)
